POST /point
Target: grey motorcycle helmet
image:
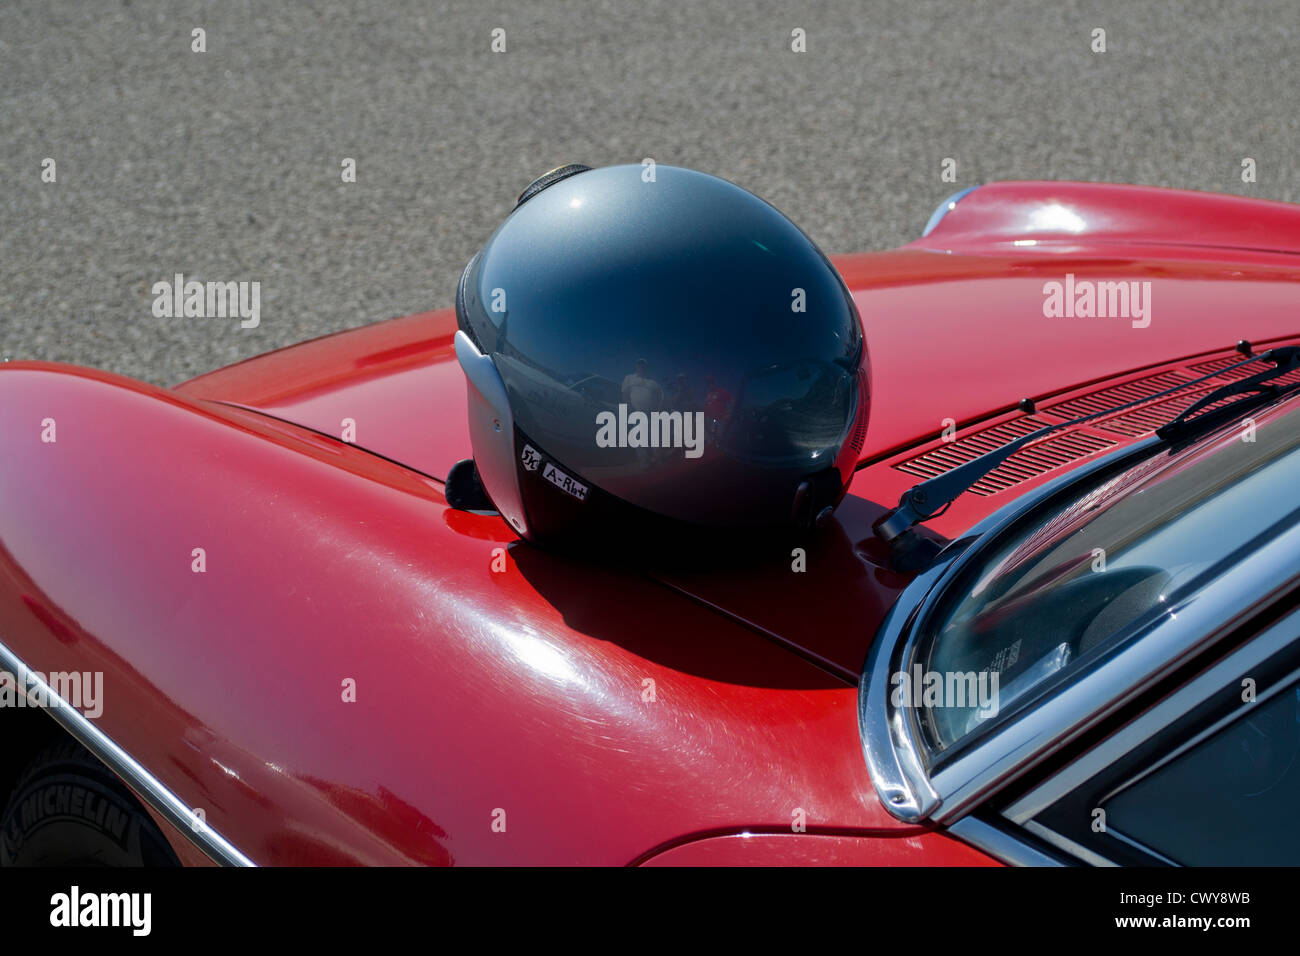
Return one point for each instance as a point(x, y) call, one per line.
point(654, 351)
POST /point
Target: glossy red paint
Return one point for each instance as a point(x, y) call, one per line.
point(1095, 216)
point(820, 849)
point(522, 691)
point(954, 323)
point(887, 482)
point(363, 375)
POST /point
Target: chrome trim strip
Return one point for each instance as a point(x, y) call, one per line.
point(1273, 640)
point(170, 806)
point(892, 760)
point(1068, 846)
point(945, 207)
point(997, 843)
point(887, 740)
point(1188, 628)
point(1285, 683)
point(1243, 663)
point(891, 741)
point(1112, 832)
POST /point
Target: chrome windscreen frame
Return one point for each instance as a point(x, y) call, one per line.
point(895, 753)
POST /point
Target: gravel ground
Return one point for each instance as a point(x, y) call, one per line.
point(226, 164)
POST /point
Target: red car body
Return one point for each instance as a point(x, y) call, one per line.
point(512, 706)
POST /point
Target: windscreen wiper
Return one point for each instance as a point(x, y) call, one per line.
point(1188, 420)
point(932, 497)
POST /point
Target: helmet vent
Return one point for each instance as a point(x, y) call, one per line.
point(549, 179)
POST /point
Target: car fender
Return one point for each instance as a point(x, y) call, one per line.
point(303, 642)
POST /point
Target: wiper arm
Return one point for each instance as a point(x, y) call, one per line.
point(931, 497)
point(1286, 359)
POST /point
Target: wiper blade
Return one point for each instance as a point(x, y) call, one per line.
point(932, 497)
point(1286, 359)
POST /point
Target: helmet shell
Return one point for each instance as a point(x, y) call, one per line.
point(672, 341)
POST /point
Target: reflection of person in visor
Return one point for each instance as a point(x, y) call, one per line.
point(693, 274)
point(642, 394)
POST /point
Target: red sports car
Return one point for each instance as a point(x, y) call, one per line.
point(1053, 621)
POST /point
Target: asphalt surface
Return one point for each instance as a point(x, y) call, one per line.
point(226, 165)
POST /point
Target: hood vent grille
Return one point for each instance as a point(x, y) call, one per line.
point(1082, 440)
point(1027, 463)
point(1040, 458)
point(1117, 395)
point(1147, 418)
point(949, 456)
point(1216, 366)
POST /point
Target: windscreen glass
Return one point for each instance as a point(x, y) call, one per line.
point(1076, 583)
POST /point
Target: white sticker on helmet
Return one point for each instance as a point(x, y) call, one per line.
point(564, 482)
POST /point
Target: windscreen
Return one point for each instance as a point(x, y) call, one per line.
point(1073, 584)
